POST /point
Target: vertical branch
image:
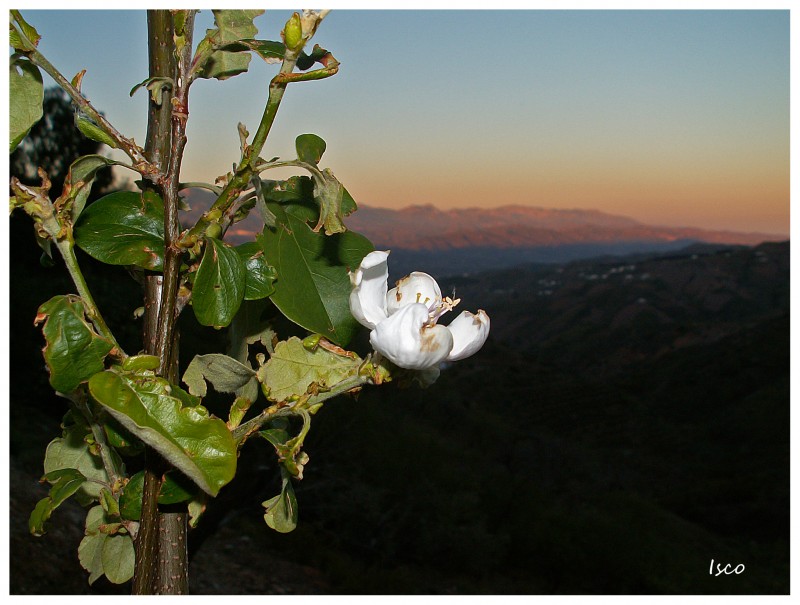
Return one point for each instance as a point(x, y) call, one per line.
point(170, 183)
point(173, 564)
point(158, 146)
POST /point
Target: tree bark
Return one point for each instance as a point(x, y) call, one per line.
point(161, 553)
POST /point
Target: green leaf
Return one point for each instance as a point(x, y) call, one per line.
point(310, 148)
point(271, 52)
point(80, 179)
point(237, 412)
point(329, 193)
point(74, 351)
point(156, 85)
point(281, 511)
point(92, 131)
point(121, 440)
point(232, 26)
point(225, 373)
point(197, 444)
point(292, 369)
point(140, 362)
point(65, 483)
point(196, 508)
point(118, 558)
point(124, 228)
point(27, 29)
point(315, 292)
point(90, 551)
point(26, 94)
point(260, 275)
point(71, 453)
point(174, 489)
point(109, 503)
point(219, 285)
point(130, 500)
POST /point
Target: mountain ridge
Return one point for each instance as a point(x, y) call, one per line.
point(468, 240)
point(512, 226)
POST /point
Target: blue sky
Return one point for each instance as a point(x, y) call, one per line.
point(670, 117)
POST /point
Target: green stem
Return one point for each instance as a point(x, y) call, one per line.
point(243, 431)
point(200, 185)
point(65, 247)
point(112, 470)
point(241, 177)
point(43, 212)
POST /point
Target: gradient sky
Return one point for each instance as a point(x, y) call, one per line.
point(671, 117)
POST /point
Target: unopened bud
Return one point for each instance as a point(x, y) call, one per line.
point(293, 33)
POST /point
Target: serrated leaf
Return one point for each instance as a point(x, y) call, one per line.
point(65, 483)
point(118, 558)
point(224, 373)
point(124, 228)
point(316, 296)
point(197, 444)
point(26, 94)
point(231, 26)
point(292, 369)
point(219, 284)
point(281, 511)
point(74, 350)
point(260, 276)
point(309, 148)
point(92, 131)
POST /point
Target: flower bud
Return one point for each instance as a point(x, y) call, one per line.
point(293, 34)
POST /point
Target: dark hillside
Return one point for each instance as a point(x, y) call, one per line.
point(625, 424)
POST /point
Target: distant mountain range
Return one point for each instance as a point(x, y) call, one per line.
point(429, 228)
point(468, 240)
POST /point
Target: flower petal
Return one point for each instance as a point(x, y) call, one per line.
point(418, 287)
point(469, 333)
point(368, 298)
point(406, 340)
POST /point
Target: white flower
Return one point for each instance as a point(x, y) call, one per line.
point(404, 319)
